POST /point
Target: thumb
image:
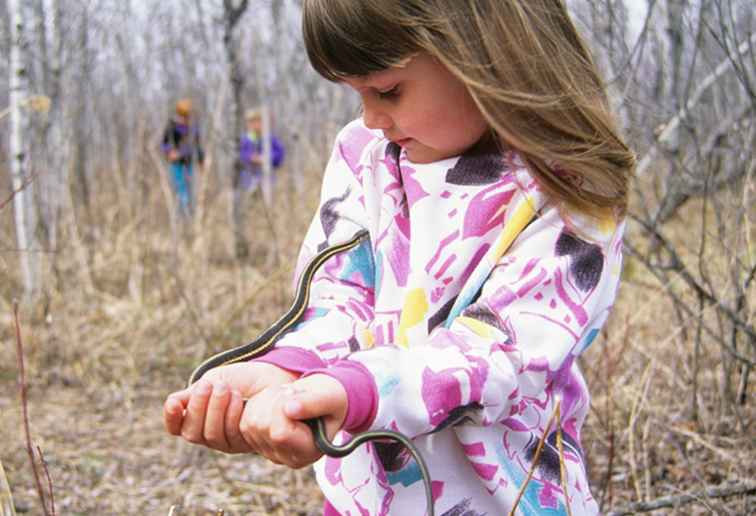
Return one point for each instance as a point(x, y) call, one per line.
point(315, 396)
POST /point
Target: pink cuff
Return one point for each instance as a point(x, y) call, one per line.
point(292, 359)
point(362, 394)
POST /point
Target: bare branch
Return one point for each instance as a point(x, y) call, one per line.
point(676, 501)
point(49, 479)
point(671, 126)
point(678, 266)
point(25, 409)
point(734, 171)
point(16, 190)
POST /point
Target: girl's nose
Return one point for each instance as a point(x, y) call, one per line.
point(375, 118)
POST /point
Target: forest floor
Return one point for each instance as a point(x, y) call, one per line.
point(131, 310)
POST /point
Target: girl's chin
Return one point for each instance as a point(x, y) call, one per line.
point(419, 154)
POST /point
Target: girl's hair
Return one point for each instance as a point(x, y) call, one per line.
point(524, 64)
point(253, 113)
point(184, 107)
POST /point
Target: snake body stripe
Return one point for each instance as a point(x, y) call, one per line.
point(268, 338)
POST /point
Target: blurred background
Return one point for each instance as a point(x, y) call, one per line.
point(121, 293)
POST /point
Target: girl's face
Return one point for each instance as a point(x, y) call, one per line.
point(254, 125)
point(422, 107)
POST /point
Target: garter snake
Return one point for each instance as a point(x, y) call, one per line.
point(267, 340)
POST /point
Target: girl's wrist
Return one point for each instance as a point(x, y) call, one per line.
point(361, 393)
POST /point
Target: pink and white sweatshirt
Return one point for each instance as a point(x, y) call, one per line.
point(476, 389)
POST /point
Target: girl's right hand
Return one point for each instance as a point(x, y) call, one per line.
point(209, 412)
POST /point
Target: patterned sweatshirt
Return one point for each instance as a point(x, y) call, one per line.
point(473, 381)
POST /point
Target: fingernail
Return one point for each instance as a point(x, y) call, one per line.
point(293, 407)
point(202, 388)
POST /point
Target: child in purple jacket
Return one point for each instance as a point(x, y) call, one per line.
point(251, 150)
point(250, 173)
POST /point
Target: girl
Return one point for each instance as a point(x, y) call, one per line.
point(485, 127)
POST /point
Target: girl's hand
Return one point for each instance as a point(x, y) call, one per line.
point(272, 423)
point(209, 412)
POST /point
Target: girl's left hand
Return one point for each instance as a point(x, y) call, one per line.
point(272, 423)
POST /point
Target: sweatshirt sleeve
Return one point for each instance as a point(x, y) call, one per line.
point(277, 152)
point(341, 293)
point(168, 143)
point(513, 348)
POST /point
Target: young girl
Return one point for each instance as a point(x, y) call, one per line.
point(485, 128)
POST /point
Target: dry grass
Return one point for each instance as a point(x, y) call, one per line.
point(131, 309)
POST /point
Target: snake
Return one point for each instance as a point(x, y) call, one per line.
point(267, 339)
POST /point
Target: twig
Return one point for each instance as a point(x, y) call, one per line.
point(679, 267)
point(606, 489)
point(195, 317)
point(634, 414)
point(26, 183)
point(676, 501)
point(536, 456)
point(562, 465)
point(671, 126)
point(49, 480)
point(222, 330)
point(25, 409)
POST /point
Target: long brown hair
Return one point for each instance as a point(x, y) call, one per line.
point(524, 64)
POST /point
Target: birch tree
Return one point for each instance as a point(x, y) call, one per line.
point(49, 148)
point(23, 186)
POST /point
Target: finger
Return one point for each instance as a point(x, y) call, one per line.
point(236, 442)
point(302, 450)
point(248, 428)
point(315, 396)
point(173, 411)
point(214, 431)
point(194, 419)
point(292, 446)
point(257, 422)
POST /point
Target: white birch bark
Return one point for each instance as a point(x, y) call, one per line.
point(267, 169)
point(50, 149)
point(23, 208)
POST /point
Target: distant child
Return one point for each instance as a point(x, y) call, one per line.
point(181, 144)
point(485, 128)
point(250, 174)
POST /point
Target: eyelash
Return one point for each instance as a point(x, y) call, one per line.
point(389, 94)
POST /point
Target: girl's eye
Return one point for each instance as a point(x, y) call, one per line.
point(390, 93)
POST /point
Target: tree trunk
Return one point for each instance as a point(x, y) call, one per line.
point(23, 202)
point(50, 146)
point(80, 117)
point(231, 14)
